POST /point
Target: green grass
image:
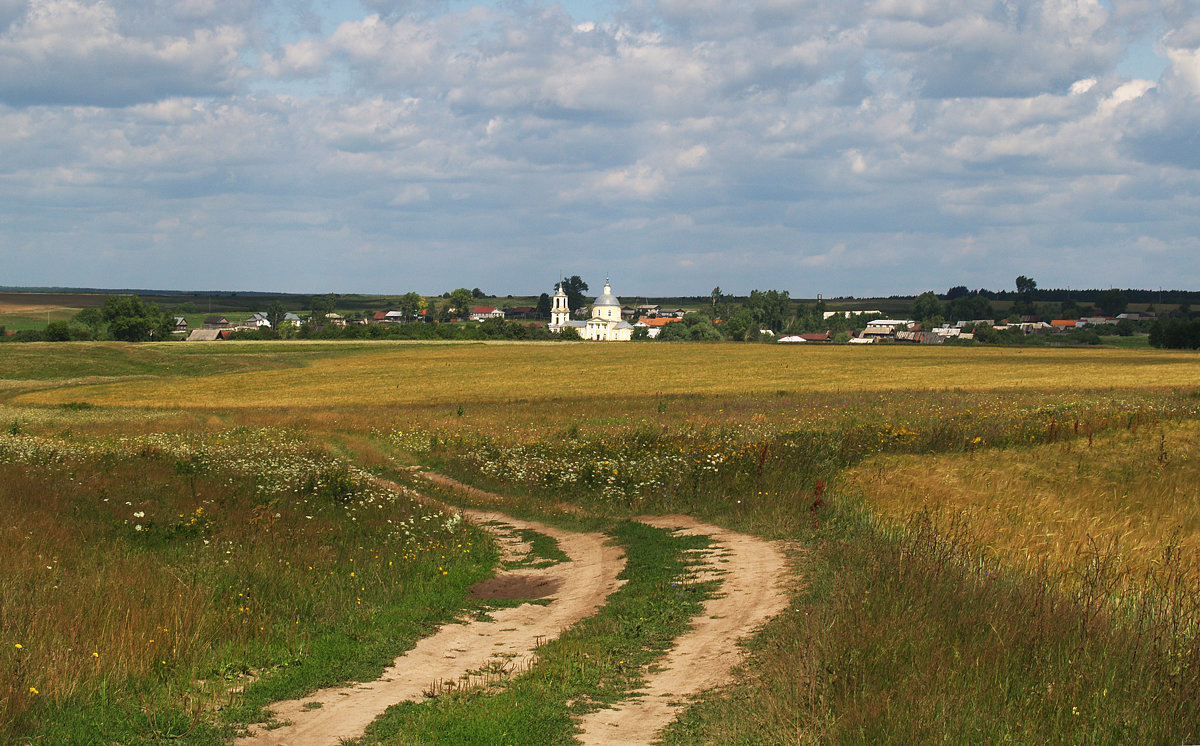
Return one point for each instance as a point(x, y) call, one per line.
point(905, 638)
point(600, 660)
point(142, 578)
point(543, 550)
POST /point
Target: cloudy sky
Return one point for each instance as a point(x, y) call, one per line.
point(818, 146)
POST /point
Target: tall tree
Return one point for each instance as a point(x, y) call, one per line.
point(411, 304)
point(1025, 289)
point(574, 287)
point(276, 313)
point(130, 320)
point(544, 306)
point(320, 305)
point(769, 309)
point(460, 300)
point(926, 306)
point(1112, 302)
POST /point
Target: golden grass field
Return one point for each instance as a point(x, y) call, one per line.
point(1130, 491)
point(358, 374)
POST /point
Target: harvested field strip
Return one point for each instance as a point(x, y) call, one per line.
point(366, 374)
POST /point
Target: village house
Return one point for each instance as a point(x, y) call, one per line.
point(181, 324)
point(886, 327)
point(216, 322)
point(654, 325)
point(483, 313)
point(258, 321)
point(208, 335)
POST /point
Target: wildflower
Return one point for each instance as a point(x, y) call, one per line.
point(140, 514)
point(18, 646)
point(95, 655)
point(32, 690)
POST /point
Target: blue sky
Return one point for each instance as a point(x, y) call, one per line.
point(855, 147)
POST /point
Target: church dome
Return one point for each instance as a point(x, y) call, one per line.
point(607, 298)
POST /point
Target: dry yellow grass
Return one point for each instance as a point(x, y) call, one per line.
point(408, 374)
point(1054, 503)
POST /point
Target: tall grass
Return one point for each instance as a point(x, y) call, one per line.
point(146, 581)
point(907, 636)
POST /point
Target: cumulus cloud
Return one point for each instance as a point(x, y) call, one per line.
point(829, 146)
point(305, 59)
point(72, 52)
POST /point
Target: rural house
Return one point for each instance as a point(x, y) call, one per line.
point(483, 313)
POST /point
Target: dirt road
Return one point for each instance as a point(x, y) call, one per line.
point(752, 574)
point(508, 639)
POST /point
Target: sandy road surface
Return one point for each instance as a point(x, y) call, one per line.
point(578, 589)
point(752, 574)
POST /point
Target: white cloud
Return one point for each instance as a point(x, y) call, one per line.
point(68, 52)
point(304, 59)
point(828, 146)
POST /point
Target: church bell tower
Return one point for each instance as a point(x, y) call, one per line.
point(560, 312)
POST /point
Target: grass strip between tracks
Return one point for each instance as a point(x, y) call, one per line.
point(601, 660)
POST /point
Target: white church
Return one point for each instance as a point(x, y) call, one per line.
point(605, 324)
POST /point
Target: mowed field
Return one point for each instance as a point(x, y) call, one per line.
point(323, 375)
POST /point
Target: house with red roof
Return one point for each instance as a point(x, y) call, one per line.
point(483, 313)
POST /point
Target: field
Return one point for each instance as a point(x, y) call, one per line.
point(989, 545)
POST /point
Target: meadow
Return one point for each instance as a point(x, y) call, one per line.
point(991, 545)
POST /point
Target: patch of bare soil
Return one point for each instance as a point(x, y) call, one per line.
point(457, 652)
point(752, 573)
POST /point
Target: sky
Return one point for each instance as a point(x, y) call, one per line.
point(840, 147)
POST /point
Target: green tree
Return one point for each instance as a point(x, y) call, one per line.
point(411, 304)
point(969, 308)
point(91, 318)
point(276, 313)
point(926, 306)
point(57, 331)
point(460, 301)
point(320, 305)
point(130, 320)
point(574, 287)
point(769, 309)
point(739, 324)
point(544, 306)
point(1025, 289)
point(477, 293)
point(1112, 302)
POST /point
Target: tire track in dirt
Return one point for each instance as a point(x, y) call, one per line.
point(580, 587)
point(752, 574)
